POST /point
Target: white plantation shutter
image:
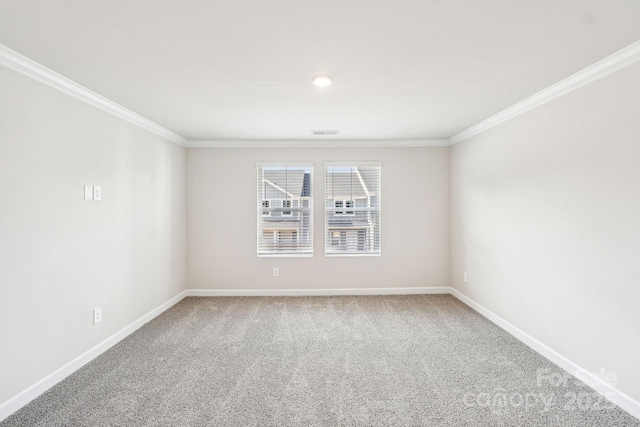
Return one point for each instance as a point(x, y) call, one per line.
point(352, 208)
point(285, 209)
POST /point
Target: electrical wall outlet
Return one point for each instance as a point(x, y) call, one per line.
point(276, 272)
point(97, 315)
point(97, 192)
point(466, 277)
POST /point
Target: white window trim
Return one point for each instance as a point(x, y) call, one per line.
point(326, 234)
point(311, 166)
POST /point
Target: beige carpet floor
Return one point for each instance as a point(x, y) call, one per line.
point(423, 360)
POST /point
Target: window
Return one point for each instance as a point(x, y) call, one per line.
point(343, 204)
point(285, 222)
point(352, 208)
point(286, 204)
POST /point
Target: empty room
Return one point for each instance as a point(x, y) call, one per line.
point(294, 213)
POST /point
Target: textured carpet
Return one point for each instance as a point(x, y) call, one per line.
point(320, 361)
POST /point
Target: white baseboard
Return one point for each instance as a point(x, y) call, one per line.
point(23, 398)
point(314, 292)
point(621, 399)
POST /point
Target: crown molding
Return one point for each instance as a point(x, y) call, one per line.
point(316, 143)
point(23, 65)
point(612, 63)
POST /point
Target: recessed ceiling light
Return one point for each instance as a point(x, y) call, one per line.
point(322, 80)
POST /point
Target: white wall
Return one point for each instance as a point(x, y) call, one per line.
point(222, 221)
point(546, 220)
point(61, 256)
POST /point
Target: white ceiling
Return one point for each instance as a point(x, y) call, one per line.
point(402, 69)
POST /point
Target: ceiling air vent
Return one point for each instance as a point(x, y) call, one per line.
point(325, 132)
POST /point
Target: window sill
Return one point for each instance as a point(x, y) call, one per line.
point(285, 255)
point(351, 255)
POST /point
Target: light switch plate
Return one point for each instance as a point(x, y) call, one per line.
point(97, 315)
point(88, 192)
